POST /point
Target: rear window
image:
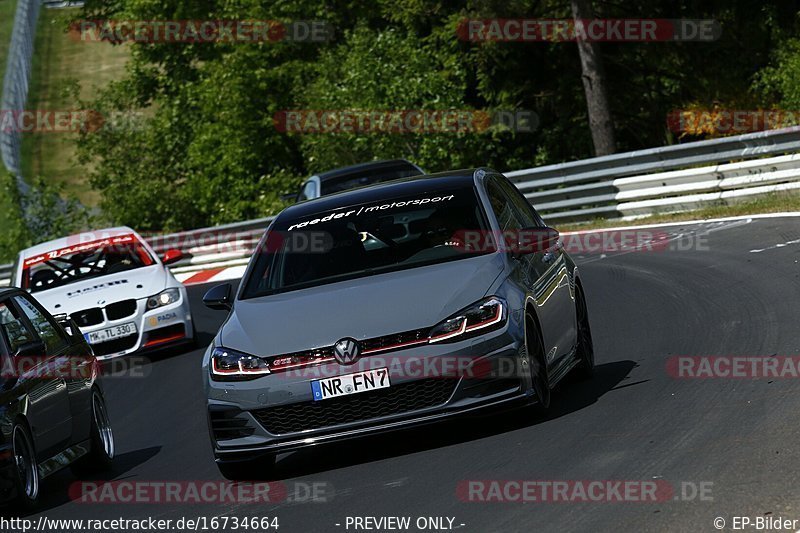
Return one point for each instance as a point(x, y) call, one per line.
point(368, 177)
point(83, 261)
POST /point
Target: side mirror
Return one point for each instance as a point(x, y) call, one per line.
point(219, 298)
point(535, 240)
point(69, 326)
point(172, 256)
point(31, 349)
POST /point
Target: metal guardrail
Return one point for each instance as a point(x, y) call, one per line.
point(5, 274)
point(15, 93)
point(672, 178)
point(185, 241)
point(16, 80)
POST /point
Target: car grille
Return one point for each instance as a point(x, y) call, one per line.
point(121, 309)
point(117, 345)
point(394, 400)
point(88, 317)
point(396, 340)
point(227, 427)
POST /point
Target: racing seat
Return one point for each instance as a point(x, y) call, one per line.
point(346, 255)
point(298, 268)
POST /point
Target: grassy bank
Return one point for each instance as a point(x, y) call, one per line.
point(7, 10)
point(60, 61)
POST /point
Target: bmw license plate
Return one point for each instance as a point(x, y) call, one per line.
point(109, 334)
point(350, 384)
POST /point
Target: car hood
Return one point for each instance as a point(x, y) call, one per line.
point(361, 308)
point(98, 292)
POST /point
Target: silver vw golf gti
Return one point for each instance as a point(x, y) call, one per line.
point(390, 306)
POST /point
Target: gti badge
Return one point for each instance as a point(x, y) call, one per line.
point(346, 351)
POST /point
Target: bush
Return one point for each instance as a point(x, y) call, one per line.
point(39, 215)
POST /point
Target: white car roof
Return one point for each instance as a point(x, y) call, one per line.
point(72, 240)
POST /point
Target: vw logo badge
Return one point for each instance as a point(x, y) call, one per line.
point(346, 351)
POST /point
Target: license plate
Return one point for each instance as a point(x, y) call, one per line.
point(108, 334)
point(350, 384)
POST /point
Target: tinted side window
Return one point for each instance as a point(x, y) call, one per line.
point(521, 206)
point(48, 332)
point(507, 216)
point(14, 328)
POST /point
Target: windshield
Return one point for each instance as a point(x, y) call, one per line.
point(84, 261)
point(361, 240)
point(368, 177)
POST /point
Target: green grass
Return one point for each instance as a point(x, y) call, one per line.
point(59, 61)
point(772, 203)
point(7, 10)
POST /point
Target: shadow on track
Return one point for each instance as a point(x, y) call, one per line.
point(61, 487)
point(570, 396)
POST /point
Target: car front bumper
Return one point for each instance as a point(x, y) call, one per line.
point(277, 413)
point(157, 328)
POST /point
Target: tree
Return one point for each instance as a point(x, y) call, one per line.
point(203, 148)
point(595, 83)
point(47, 215)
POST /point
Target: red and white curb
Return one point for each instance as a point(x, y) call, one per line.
point(211, 275)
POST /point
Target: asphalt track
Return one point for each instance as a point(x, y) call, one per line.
point(705, 294)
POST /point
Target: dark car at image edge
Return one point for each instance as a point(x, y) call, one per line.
point(52, 408)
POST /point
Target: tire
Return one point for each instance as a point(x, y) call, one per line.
point(26, 473)
point(585, 346)
point(538, 366)
point(251, 470)
point(102, 449)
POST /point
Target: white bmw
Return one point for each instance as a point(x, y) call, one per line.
point(115, 287)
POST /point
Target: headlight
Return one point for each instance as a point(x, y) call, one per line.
point(169, 296)
point(486, 315)
point(230, 365)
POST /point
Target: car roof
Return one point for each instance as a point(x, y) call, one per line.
point(4, 291)
point(71, 240)
point(343, 171)
point(410, 185)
